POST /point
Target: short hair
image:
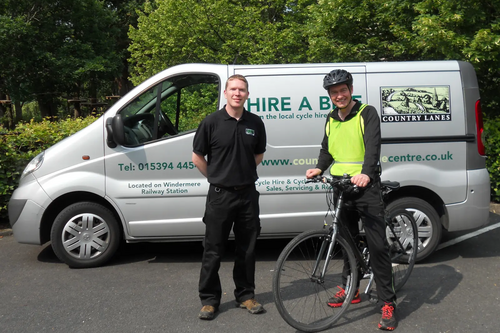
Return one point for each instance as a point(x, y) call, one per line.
point(237, 77)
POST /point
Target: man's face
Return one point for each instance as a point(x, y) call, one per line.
point(236, 93)
point(340, 95)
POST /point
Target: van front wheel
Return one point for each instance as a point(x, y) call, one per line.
point(85, 234)
point(428, 223)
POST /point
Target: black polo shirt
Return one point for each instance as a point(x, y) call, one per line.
point(230, 146)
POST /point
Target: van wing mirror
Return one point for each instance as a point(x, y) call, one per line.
point(109, 139)
point(116, 131)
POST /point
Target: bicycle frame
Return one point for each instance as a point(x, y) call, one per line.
point(334, 231)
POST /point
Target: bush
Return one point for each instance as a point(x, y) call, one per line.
point(19, 146)
point(492, 135)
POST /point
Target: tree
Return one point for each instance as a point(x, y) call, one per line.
point(12, 60)
point(463, 30)
point(53, 48)
point(127, 13)
point(170, 32)
point(405, 30)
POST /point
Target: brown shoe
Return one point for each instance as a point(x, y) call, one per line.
point(252, 306)
point(207, 312)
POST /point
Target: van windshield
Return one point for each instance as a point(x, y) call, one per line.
point(174, 106)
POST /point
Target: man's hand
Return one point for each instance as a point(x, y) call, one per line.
point(311, 173)
point(360, 180)
point(200, 162)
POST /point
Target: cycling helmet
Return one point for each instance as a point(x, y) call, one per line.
point(337, 76)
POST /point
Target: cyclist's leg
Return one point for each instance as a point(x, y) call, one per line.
point(402, 236)
point(371, 206)
point(351, 218)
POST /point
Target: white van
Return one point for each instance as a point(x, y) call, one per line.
point(129, 175)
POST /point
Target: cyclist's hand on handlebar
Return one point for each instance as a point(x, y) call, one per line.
point(360, 180)
point(311, 173)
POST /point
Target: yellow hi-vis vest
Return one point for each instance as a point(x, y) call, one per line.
point(346, 144)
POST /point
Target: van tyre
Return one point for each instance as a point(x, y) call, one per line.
point(85, 234)
point(428, 223)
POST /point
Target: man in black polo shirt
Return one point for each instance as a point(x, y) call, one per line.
point(233, 142)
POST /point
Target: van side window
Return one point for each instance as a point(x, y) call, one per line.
point(173, 107)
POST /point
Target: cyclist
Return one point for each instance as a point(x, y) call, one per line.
point(352, 143)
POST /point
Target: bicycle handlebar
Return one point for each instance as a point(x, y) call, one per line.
point(342, 184)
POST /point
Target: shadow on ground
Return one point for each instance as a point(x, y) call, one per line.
point(267, 250)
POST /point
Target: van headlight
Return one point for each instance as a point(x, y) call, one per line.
point(33, 165)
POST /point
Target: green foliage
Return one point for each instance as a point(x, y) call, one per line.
point(19, 146)
point(71, 48)
point(66, 42)
point(171, 32)
point(411, 30)
point(197, 102)
point(492, 135)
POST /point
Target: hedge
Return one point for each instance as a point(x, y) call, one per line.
point(19, 146)
point(27, 140)
point(492, 138)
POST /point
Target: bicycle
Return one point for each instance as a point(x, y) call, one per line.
point(309, 269)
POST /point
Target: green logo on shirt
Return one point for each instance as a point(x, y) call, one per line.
point(250, 132)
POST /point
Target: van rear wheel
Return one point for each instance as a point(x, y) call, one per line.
point(85, 234)
point(428, 223)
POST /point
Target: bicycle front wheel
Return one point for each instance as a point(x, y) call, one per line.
point(301, 290)
point(402, 236)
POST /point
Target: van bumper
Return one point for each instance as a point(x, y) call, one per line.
point(475, 210)
point(26, 208)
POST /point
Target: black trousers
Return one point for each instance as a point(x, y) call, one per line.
point(368, 205)
point(228, 209)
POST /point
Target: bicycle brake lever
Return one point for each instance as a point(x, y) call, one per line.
point(312, 180)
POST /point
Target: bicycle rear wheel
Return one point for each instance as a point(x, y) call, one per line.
point(300, 293)
point(402, 236)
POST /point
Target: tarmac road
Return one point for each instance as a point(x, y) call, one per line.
point(153, 288)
